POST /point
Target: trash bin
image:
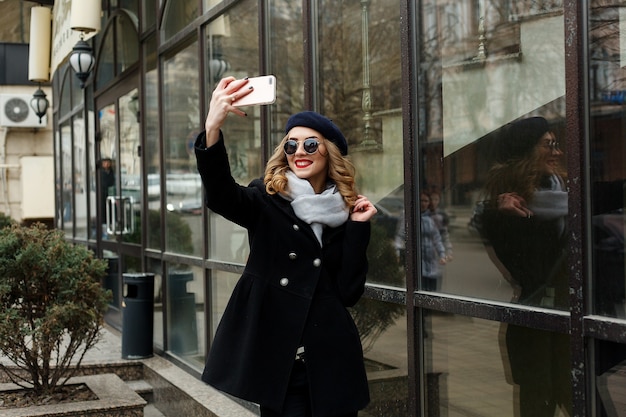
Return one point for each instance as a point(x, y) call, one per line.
point(137, 315)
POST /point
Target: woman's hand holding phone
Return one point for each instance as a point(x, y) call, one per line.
point(228, 90)
point(230, 94)
point(263, 92)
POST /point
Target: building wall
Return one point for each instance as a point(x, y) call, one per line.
point(19, 142)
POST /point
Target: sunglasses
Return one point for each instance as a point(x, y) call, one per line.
point(553, 145)
point(310, 146)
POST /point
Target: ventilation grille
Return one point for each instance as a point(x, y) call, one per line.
point(15, 111)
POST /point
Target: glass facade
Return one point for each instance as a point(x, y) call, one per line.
point(489, 134)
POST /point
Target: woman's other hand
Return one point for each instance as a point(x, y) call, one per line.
point(363, 210)
point(513, 204)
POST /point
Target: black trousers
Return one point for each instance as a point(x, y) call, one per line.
point(297, 402)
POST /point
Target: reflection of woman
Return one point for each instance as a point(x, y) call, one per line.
point(286, 340)
point(524, 223)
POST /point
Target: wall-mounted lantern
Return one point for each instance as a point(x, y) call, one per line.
point(39, 103)
point(39, 56)
point(82, 60)
point(85, 18)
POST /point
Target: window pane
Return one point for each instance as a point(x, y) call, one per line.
point(65, 106)
point(608, 155)
point(360, 78)
point(130, 6)
point(155, 267)
point(610, 362)
point(149, 9)
point(177, 14)
point(152, 152)
point(94, 227)
point(286, 52)
point(183, 229)
point(382, 328)
point(222, 285)
point(127, 43)
point(80, 178)
point(232, 42)
point(498, 231)
point(209, 4)
point(105, 70)
point(129, 162)
point(66, 178)
point(185, 317)
point(490, 369)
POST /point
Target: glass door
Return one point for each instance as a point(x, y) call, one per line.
point(120, 191)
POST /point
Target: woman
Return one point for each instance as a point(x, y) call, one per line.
point(286, 340)
point(524, 223)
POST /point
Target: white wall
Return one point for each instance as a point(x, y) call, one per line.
point(15, 144)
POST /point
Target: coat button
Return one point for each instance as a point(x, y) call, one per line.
point(284, 282)
point(296, 227)
point(317, 262)
point(293, 256)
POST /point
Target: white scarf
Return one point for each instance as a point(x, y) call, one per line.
point(318, 210)
point(550, 203)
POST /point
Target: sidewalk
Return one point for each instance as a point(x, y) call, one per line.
point(174, 392)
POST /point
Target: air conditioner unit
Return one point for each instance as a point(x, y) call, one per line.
point(15, 111)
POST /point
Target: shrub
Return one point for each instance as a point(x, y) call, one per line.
point(6, 221)
point(51, 305)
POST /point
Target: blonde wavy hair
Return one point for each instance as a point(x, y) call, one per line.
point(340, 171)
point(522, 176)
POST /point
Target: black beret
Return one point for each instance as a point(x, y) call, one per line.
point(321, 124)
point(519, 138)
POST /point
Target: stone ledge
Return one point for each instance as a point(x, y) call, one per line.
point(178, 393)
point(115, 399)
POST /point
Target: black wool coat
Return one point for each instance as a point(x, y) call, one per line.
point(293, 292)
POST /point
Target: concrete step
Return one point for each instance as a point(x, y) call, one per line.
point(145, 390)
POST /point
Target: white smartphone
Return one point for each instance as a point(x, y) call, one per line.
point(264, 91)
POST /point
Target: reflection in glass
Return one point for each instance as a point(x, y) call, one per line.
point(65, 96)
point(130, 163)
point(222, 285)
point(183, 186)
point(94, 228)
point(286, 52)
point(233, 50)
point(177, 14)
point(108, 162)
point(149, 10)
point(610, 362)
point(471, 84)
point(58, 185)
point(608, 151)
point(522, 217)
point(80, 178)
point(66, 178)
point(382, 328)
point(105, 70)
point(360, 81)
point(127, 42)
point(185, 318)
point(154, 266)
point(490, 369)
point(151, 153)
